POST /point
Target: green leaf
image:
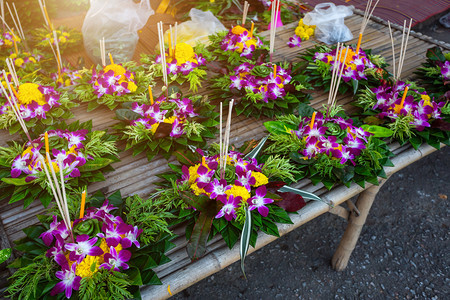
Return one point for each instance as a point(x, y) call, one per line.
point(245, 238)
point(126, 114)
point(378, 131)
point(305, 110)
point(196, 246)
point(305, 195)
point(5, 254)
point(277, 127)
point(96, 164)
point(355, 84)
point(15, 181)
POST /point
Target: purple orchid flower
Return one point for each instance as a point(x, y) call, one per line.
point(83, 247)
point(131, 237)
point(113, 233)
point(445, 70)
point(246, 180)
point(204, 176)
point(259, 201)
point(70, 281)
point(114, 260)
point(229, 208)
point(294, 41)
point(217, 188)
point(47, 236)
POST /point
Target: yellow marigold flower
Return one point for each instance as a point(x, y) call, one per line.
point(193, 173)
point(8, 43)
point(426, 99)
point(28, 150)
point(67, 82)
point(29, 92)
point(19, 62)
point(31, 58)
point(63, 39)
point(239, 191)
point(154, 128)
point(349, 59)
point(261, 179)
point(84, 267)
point(198, 191)
point(104, 246)
point(132, 86)
point(238, 30)
point(118, 69)
point(170, 120)
point(310, 31)
point(183, 53)
point(12, 56)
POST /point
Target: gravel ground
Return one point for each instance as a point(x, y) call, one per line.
point(402, 252)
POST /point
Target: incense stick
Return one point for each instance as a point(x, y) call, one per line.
point(393, 49)
point(403, 47)
point(333, 102)
point(330, 93)
point(14, 21)
point(227, 135)
point(12, 71)
point(163, 53)
point(404, 51)
point(2, 8)
point(55, 38)
point(18, 21)
point(220, 138)
point(245, 12)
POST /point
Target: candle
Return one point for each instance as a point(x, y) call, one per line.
point(150, 94)
point(359, 44)
point(170, 46)
point(110, 58)
point(274, 71)
point(83, 203)
point(203, 160)
point(311, 125)
point(403, 99)
point(46, 142)
point(251, 29)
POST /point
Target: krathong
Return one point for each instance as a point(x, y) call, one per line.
point(183, 64)
point(85, 155)
point(103, 255)
point(266, 89)
point(434, 74)
point(408, 111)
point(27, 64)
point(68, 38)
point(361, 69)
point(166, 125)
point(112, 84)
point(38, 104)
point(327, 147)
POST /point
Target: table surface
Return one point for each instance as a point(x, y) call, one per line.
point(134, 175)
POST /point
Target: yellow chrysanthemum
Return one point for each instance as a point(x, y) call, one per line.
point(198, 191)
point(426, 99)
point(193, 173)
point(261, 179)
point(84, 267)
point(118, 69)
point(349, 59)
point(238, 30)
point(154, 128)
point(29, 92)
point(239, 191)
point(184, 53)
point(19, 62)
point(63, 39)
point(247, 44)
point(132, 86)
point(12, 56)
point(170, 120)
point(8, 43)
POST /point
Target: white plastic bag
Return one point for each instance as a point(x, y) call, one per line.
point(329, 20)
point(202, 24)
point(118, 22)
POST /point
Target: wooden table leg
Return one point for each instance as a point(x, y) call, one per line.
point(348, 242)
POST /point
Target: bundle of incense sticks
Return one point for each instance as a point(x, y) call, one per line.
point(245, 12)
point(12, 71)
point(59, 191)
point(13, 102)
point(16, 21)
point(225, 142)
point(45, 14)
point(102, 51)
point(403, 47)
point(56, 53)
point(367, 14)
point(273, 27)
point(338, 69)
point(163, 53)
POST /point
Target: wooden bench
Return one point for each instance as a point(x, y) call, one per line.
point(134, 175)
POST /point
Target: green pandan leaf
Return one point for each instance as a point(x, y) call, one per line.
point(245, 238)
point(378, 131)
point(126, 114)
point(96, 164)
point(304, 194)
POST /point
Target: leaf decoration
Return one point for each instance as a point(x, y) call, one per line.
point(378, 131)
point(245, 238)
point(5, 254)
point(257, 149)
point(304, 194)
point(196, 246)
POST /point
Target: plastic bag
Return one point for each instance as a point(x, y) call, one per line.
point(329, 20)
point(118, 22)
point(202, 24)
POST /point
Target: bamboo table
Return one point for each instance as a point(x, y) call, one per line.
point(134, 175)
